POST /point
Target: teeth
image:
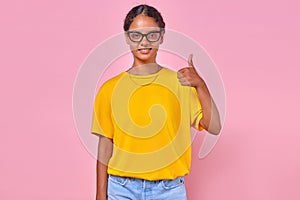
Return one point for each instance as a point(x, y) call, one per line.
point(145, 49)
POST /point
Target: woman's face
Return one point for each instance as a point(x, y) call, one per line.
point(143, 50)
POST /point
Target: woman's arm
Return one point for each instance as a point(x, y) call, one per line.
point(105, 147)
point(211, 119)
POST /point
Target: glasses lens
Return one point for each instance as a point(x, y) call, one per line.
point(135, 36)
point(153, 36)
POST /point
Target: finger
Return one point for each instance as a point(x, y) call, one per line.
point(181, 78)
point(181, 81)
point(179, 75)
point(183, 70)
point(184, 82)
point(190, 60)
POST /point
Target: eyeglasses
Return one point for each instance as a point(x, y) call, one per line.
point(152, 36)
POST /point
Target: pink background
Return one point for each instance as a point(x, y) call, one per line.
point(254, 45)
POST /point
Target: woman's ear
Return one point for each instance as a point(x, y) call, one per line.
point(126, 38)
point(162, 37)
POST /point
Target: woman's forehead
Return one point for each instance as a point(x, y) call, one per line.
point(143, 22)
point(145, 29)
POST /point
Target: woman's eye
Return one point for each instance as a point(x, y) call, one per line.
point(135, 35)
point(152, 35)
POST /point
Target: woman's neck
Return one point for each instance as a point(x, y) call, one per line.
point(144, 69)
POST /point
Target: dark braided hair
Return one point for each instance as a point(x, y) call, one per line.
point(145, 10)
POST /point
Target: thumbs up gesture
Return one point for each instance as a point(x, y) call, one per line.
point(188, 76)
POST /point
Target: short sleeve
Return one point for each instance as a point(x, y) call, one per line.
point(101, 119)
point(195, 110)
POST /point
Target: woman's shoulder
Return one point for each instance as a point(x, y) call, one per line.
point(170, 74)
point(111, 82)
point(169, 71)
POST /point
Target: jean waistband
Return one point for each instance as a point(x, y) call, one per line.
point(144, 180)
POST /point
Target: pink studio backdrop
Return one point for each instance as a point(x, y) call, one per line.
point(253, 43)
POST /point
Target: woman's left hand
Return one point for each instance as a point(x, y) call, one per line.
point(188, 76)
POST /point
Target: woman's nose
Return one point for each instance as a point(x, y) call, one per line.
point(144, 41)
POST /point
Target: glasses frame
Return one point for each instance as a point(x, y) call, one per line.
point(145, 35)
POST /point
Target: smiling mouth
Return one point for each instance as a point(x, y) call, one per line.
point(143, 49)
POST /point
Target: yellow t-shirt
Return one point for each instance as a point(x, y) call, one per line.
point(149, 119)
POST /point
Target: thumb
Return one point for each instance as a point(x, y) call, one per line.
point(190, 60)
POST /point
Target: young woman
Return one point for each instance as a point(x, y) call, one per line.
point(144, 115)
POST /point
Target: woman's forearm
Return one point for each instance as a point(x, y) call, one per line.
point(104, 153)
point(211, 118)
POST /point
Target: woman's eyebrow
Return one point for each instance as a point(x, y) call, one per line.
point(144, 31)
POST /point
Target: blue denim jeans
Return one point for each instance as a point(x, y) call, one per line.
point(121, 188)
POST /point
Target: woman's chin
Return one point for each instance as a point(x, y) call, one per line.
point(144, 57)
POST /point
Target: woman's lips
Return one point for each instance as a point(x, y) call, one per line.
point(144, 50)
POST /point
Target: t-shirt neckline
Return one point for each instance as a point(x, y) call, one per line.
point(144, 76)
